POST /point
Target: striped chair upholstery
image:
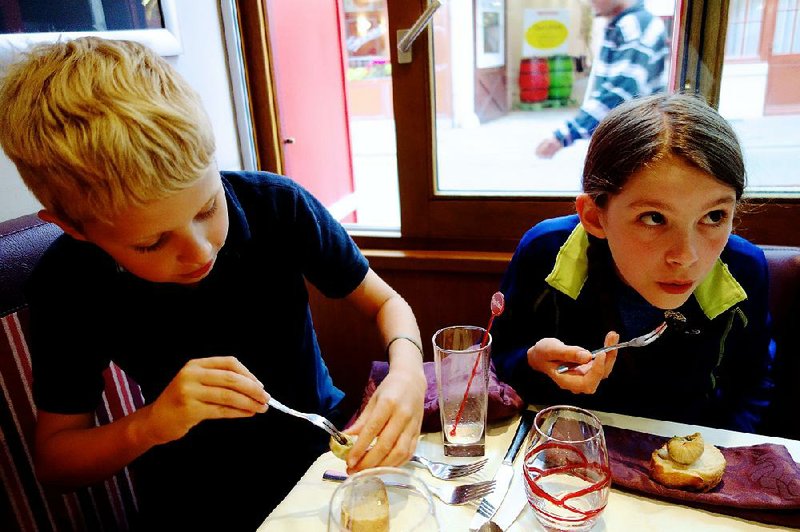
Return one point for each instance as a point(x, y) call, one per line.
point(26, 504)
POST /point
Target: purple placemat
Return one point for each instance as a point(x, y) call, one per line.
point(761, 482)
point(504, 402)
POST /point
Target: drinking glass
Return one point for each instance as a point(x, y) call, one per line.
point(567, 477)
point(382, 499)
point(462, 384)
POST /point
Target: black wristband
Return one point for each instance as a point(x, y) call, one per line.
point(393, 340)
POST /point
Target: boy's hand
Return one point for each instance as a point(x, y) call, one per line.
point(393, 415)
point(205, 388)
point(549, 353)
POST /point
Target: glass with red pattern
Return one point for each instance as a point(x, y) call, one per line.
point(567, 477)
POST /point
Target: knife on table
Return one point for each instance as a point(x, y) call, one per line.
point(502, 478)
point(516, 500)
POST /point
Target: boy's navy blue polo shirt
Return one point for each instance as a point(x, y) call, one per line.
point(253, 305)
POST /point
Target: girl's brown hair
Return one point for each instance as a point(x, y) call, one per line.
point(645, 130)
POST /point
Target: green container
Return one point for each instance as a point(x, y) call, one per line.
point(559, 93)
point(560, 77)
point(560, 63)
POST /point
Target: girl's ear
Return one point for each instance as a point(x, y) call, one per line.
point(591, 215)
point(65, 226)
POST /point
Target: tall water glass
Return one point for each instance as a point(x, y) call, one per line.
point(567, 477)
point(382, 499)
point(462, 384)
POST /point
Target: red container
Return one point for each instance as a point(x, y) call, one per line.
point(534, 79)
point(533, 95)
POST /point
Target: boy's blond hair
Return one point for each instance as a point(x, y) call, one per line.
point(95, 126)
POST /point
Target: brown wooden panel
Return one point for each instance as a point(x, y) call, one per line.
point(442, 289)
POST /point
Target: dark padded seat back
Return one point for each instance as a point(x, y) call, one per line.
point(22, 242)
point(25, 504)
point(784, 303)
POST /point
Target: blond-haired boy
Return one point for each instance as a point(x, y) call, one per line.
point(190, 279)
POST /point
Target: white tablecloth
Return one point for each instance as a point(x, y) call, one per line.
point(305, 508)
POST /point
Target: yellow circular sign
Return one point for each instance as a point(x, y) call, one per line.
point(546, 34)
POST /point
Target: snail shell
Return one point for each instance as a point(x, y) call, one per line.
point(685, 450)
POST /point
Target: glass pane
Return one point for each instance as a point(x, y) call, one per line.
point(783, 34)
point(760, 100)
point(796, 42)
point(334, 92)
point(371, 113)
point(755, 10)
point(493, 113)
point(733, 44)
point(736, 10)
point(752, 37)
point(787, 30)
point(42, 16)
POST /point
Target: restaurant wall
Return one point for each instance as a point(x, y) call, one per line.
point(203, 63)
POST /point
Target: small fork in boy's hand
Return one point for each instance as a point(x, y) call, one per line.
point(639, 341)
point(316, 419)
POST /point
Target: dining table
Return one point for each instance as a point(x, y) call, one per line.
point(305, 508)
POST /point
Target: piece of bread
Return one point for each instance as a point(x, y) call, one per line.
point(366, 507)
point(703, 474)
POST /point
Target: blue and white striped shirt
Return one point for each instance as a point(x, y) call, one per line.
point(632, 62)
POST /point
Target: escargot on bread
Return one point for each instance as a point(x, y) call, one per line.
point(688, 463)
point(341, 450)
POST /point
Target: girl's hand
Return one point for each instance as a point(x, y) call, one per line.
point(549, 353)
point(393, 415)
point(205, 388)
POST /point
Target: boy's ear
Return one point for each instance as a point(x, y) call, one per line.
point(590, 215)
point(65, 226)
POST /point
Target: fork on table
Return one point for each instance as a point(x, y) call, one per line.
point(316, 419)
point(639, 341)
point(445, 471)
point(453, 495)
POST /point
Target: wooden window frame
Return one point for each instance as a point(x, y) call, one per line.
point(490, 223)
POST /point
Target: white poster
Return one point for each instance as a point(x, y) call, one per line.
point(545, 32)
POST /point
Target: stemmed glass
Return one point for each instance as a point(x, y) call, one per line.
point(567, 477)
point(382, 499)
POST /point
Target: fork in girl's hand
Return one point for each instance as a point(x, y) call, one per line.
point(639, 341)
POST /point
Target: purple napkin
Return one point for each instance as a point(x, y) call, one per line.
point(761, 482)
point(503, 400)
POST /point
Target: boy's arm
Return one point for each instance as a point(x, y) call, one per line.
point(394, 412)
point(71, 451)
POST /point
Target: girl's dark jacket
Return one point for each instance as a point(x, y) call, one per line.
point(715, 372)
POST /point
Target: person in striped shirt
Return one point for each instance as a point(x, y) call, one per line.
point(632, 62)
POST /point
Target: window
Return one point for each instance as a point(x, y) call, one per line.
point(758, 96)
point(485, 203)
point(744, 29)
point(26, 22)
